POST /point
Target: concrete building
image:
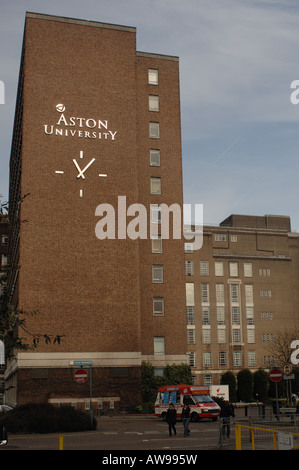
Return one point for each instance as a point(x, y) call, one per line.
point(96, 123)
point(241, 289)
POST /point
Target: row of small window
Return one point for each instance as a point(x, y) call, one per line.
point(154, 131)
point(158, 309)
point(221, 336)
point(220, 316)
point(235, 294)
point(222, 359)
point(219, 268)
point(236, 336)
point(221, 237)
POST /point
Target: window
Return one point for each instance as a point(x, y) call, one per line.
point(234, 238)
point(153, 103)
point(247, 269)
point(189, 268)
point(157, 273)
point(236, 335)
point(206, 316)
point(188, 247)
point(220, 315)
point(234, 293)
point(205, 293)
point(235, 315)
point(4, 239)
point(220, 293)
point(190, 315)
point(192, 358)
point(4, 260)
point(233, 269)
point(220, 237)
point(249, 294)
point(189, 294)
point(154, 157)
point(208, 380)
point(264, 272)
point(159, 345)
point(222, 361)
point(158, 306)
point(269, 360)
point(156, 244)
point(218, 268)
point(207, 359)
point(221, 332)
point(155, 185)
point(265, 294)
point(153, 77)
point(266, 315)
point(249, 315)
point(237, 358)
point(191, 336)
point(252, 358)
point(156, 214)
point(204, 268)
point(206, 335)
point(250, 335)
point(154, 130)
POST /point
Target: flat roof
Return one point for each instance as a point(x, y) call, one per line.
point(97, 24)
point(62, 19)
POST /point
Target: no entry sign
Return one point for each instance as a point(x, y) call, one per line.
point(81, 376)
point(275, 375)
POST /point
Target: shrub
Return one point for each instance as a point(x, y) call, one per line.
point(41, 418)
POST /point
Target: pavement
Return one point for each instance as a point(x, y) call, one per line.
point(147, 433)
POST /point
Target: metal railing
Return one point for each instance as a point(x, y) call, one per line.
point(253, 430)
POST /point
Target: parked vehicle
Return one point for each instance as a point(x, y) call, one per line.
point(197, 397)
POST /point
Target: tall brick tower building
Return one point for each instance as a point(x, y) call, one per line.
point(96, 123)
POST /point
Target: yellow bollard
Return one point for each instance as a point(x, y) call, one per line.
point(60, 442)
point(252, 438)
point(238, 437)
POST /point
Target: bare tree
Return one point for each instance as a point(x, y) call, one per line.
point(280, 348)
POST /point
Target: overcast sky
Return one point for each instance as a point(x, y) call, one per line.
point(240, 131)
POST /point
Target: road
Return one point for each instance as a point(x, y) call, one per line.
point(125, 433)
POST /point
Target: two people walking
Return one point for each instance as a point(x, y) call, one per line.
point(171, 419)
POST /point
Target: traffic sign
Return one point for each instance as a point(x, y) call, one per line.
point(80, 376)
point(275, 375)
point(287, 369)
point(81, 363)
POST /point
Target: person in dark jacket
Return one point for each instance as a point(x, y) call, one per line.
point(226, 412)
point(171, 419)
point(186, 419)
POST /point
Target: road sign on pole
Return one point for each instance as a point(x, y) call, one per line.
point(80, 376)
point(287, 369)
point(275, 375)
